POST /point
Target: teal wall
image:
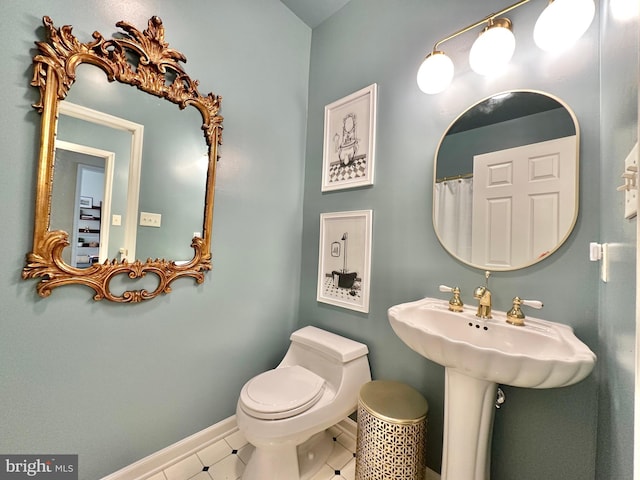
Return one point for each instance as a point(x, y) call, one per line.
point(115, 383)
point(616, 329)
point(88, 378)
point(550, 434)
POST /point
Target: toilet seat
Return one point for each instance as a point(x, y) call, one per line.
point(281, 393)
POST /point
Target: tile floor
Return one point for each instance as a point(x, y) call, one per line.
point(226, 459)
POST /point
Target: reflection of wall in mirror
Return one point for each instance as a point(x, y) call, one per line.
point(455, 155)
point(172, 182)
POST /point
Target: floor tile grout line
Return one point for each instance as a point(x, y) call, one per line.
point(336, 432)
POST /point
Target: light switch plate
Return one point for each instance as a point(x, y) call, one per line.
point(631, 195)
point(150, 219)
point(116, 220)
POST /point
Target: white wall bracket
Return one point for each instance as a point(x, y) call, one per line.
point(600, 252)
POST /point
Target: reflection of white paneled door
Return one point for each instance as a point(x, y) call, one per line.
point(524, 202)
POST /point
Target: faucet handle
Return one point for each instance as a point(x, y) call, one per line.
point(455, 304)
point(515, 315)
point(532, 303)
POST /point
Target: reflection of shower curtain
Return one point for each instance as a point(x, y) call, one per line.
point(453, 207)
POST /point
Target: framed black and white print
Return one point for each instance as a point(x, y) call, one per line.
point(349, 140)
point(344, 262)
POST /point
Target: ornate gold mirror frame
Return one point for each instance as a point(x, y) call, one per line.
point(157, 71)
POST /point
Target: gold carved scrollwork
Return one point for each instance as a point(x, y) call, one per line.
point(155, 63)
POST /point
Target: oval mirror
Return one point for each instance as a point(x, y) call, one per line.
point(505, 192)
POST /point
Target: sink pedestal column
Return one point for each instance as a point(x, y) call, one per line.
point(468, 425)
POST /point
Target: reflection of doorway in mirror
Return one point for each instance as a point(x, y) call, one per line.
point(83, 126)
point(524, 202)
point(81, 201)
point(87, 237)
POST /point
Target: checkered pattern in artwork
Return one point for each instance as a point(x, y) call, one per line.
point(349, 295)
point(355, 169)
point(388, 450)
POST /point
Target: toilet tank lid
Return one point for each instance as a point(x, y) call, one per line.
point(341, 348)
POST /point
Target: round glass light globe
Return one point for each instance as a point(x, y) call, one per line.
point(435, 73)
point(492, 50)
point(624, 10)
point(562, 23)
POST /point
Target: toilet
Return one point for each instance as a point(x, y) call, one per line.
point(284, 412)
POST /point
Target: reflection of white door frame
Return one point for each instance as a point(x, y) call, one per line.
point(109, 158)
point(524, 202)
point(135, 164)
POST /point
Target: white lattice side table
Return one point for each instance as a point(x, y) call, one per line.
point(391, 437)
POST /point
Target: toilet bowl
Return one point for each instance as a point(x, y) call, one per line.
point(284, 412)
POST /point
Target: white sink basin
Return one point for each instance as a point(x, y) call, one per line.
point(541, 354)
point(478, 355)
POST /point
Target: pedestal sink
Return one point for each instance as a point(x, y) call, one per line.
point(478, 354)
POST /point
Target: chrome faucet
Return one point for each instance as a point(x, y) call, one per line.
point(483, 295)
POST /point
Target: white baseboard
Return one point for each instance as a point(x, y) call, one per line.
point(162, 459)
point(166, 457)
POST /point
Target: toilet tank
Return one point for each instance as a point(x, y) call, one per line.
point(340, 361)
point(338, 348)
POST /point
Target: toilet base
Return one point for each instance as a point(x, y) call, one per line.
point(288, 461)
point(314, 453)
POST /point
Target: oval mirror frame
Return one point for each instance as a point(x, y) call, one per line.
point(158, 72)
point(574, 196)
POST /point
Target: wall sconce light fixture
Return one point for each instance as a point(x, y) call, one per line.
point(559, 26)
point(493, 49)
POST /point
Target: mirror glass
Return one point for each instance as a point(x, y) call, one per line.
point(172, 174)
point(506, 180)
point(126, 168)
